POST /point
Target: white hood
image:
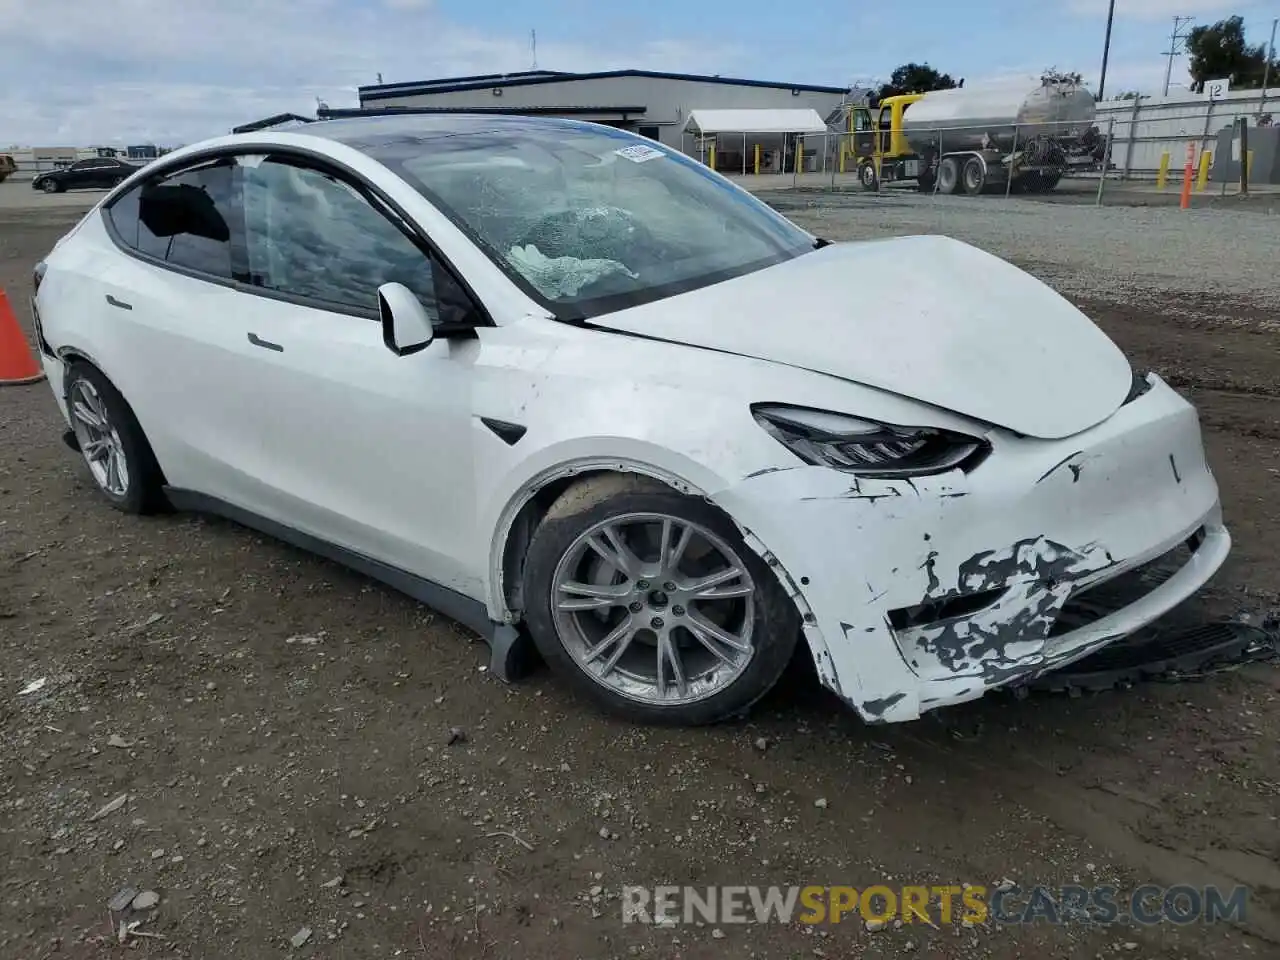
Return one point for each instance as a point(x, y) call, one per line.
point(924, 317)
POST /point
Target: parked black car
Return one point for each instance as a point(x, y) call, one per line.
point(98, 172)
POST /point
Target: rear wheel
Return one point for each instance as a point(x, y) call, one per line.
point(114, 448)
point(975, 176)
point(650, 604)
point(948, 175)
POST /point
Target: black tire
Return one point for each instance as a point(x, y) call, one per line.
point(144, 490)
point(1048, 181)
point(974, 176)
point(775, 633)
point(867, 177)
point(948, 175)
point(51, 186)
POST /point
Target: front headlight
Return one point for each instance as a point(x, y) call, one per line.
point(865, 448)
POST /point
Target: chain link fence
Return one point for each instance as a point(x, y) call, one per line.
point(1127, 152)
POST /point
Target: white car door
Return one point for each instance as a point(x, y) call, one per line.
point(170, 310)
point(343, 439)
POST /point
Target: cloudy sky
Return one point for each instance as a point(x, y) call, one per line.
point(175, 71)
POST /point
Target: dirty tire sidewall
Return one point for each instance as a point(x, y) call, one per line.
point(144, 493)
point(777, 627)
point(975, 176)
point(948, 176)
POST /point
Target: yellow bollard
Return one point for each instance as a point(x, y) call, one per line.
point(799, 155)
point(1202, 180)
point(757, 160)
point(1162, 177)
point(711, 158)
point(1248, 167)
point(843, 154)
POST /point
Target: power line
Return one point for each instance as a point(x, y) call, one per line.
point(1178, 24)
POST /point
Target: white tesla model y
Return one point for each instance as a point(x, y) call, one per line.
point(564, 383)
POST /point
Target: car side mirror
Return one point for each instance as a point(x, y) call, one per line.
point(406, 325)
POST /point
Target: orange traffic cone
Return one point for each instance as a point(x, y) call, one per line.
point(17, 362)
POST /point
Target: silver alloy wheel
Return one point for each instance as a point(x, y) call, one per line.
point(98, 438)
point(655, 608)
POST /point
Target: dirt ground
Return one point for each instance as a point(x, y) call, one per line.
point(277, 722)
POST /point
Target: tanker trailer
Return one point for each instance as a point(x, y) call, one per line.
point(969, 139)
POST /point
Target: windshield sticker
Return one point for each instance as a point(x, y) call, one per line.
point(639, 153)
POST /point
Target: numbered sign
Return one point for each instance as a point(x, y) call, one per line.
point(1217, 89)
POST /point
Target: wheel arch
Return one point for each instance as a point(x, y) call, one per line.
point(70, 355)
point(526, 508)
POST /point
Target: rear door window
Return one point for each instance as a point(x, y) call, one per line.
point(187, 219)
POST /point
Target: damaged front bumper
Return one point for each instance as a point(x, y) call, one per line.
point(922, 593)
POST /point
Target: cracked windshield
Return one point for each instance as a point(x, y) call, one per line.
point(583, 215)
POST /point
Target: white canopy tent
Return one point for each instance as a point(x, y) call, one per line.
point(755, 121)
point(764, 121)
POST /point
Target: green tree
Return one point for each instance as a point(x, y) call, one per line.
point(915, 78)
point(1221, 50)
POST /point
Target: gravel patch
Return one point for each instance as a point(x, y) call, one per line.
point(1080, 250)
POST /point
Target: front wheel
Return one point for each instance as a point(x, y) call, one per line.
point(867, 177)
point(50, 186)
point(650, 604)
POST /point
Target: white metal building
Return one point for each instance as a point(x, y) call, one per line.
point(656, 105)
point(1144, 129)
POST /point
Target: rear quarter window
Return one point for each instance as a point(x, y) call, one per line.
point(197, 210)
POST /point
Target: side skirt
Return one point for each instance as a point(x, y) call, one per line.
point(511, 654)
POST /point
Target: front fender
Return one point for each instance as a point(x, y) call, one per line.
point(571, 458)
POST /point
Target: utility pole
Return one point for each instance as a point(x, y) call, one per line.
point(1178, 24)
point(1266, 70)
point(1106, 49)
point(533, 47)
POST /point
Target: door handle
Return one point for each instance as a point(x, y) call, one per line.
point(118, 303)
point(257, 341)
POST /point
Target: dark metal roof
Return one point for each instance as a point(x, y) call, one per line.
point(482, 79)
point(387, 90)
point(270, 122)
point(376, 130)
point(341, 113)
